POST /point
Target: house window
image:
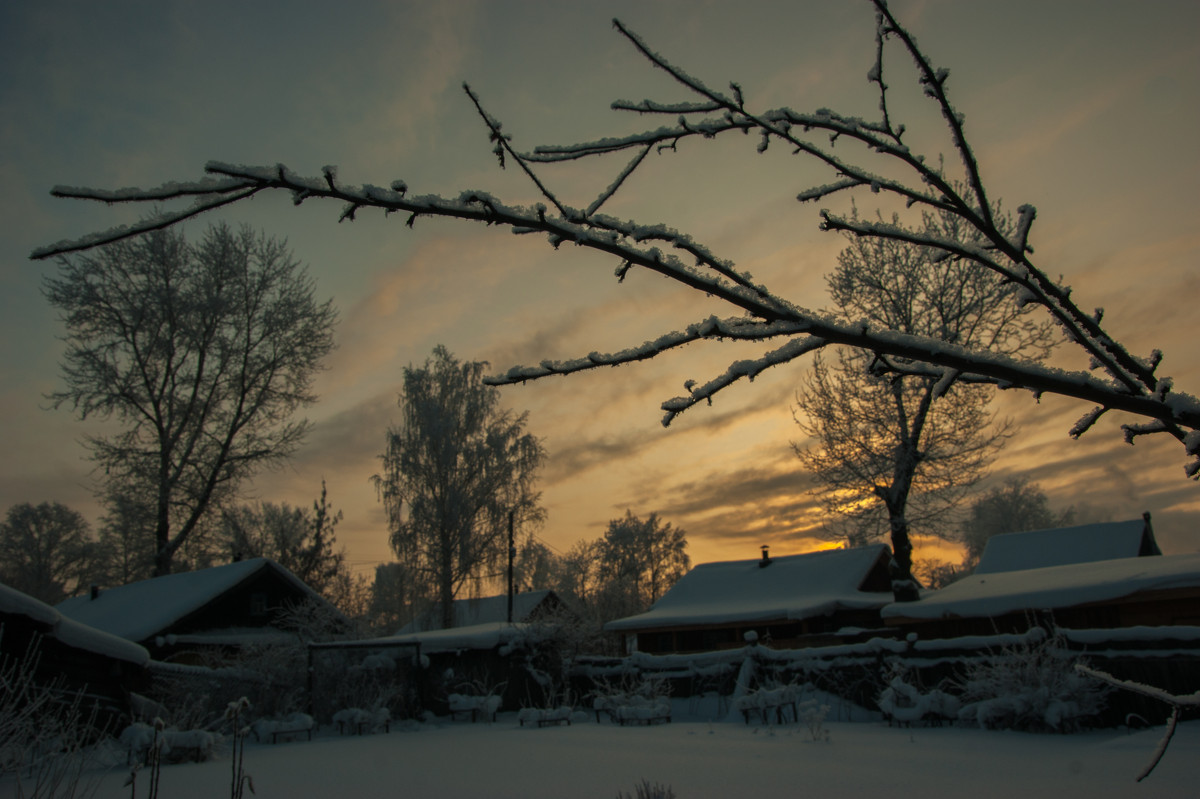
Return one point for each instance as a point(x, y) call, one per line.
point(258, 604)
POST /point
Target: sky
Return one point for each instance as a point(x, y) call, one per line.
point(1087, 111)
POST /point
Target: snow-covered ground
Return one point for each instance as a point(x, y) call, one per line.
point(696, 758)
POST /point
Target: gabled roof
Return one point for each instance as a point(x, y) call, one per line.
point(142, 610)
point(484, 610)
point(1052, 587)
point(68, 632)
point(1084, 543)
point(791, 587)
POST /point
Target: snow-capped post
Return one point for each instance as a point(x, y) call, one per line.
point(1111, 377)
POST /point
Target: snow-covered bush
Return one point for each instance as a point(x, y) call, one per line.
point(264, 729)
point(768, 700)
point(485, 706)
point(143, 743)
point(1032, 687)
point(358, 720)
point(904, 704)
point(812, 715)
point(627, 701)
point(541, 716)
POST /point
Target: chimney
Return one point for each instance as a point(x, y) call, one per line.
point(766, 558)
point(95, 592)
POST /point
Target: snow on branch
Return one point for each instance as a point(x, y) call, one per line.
point(737, 370)
point(1176, 702)
point(739, 328)
point(1124, 383)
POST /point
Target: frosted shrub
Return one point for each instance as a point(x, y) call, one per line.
point(47, 734)
point(812, 714)
point(1033, 687)
point(644, 790)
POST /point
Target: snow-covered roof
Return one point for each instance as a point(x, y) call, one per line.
point(1052, 587)
point(484, 610)
point(1057, 547)
point(791, 587)
point(144, 609)
point(68, 632)
point(477, 636)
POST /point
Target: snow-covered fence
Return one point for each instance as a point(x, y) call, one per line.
point(860, 673)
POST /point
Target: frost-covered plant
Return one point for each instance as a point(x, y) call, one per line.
point(1033, 686)
point(812, 715)
point(48, 734)
point(646, 790)
point(235, 714)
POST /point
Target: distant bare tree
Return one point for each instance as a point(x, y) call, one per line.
point(870, 155)
point(1016, 506)
point(46, 551)
point(639, 560)
point(302, 541)
point(201, 353)
point(892, 451)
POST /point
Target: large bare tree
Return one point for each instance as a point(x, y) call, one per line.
point(892, 452)
point(201, 354)
point(870, 155)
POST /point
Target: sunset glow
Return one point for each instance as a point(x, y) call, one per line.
point(1088, 112)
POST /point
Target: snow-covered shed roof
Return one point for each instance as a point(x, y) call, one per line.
point(68, 632)
point(484, 610)
point(1057, 547)
point(488, 635)
point(792, 587)
point(144, 609)
point(1052, 587)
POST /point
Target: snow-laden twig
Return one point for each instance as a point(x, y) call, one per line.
point(1127, 383)
point(1177, 703)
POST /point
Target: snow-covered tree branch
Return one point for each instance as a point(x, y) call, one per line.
point(1116, 379)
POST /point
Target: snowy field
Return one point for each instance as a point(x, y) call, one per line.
point(698, 759)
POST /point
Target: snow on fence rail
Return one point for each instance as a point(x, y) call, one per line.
point(857, 671)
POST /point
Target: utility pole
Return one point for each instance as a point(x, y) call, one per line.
point(512, 554)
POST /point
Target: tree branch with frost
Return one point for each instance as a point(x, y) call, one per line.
point(1177, 702)
point(1127, 383)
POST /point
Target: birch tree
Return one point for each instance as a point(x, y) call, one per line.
point(453, 470)
point(861, 155)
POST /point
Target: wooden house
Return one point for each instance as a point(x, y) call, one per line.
point(39, 644)
point(1096, 576)
point(179, 617)
point(793, 601)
